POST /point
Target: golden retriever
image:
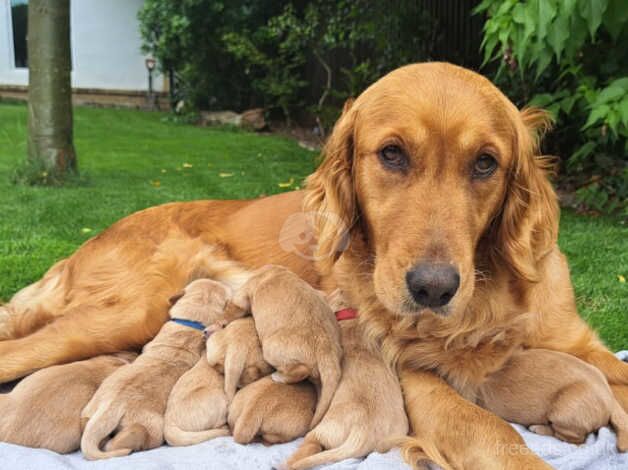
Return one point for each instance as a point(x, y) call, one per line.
point(132, 402)
point(296, 327)
point(236, 352)
point(569, 399)
point(272, 411)
point(431, 209)
point(197, 407)
point(365, 414)
point(44, 409)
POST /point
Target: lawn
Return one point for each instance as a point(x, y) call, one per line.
point(136, 159)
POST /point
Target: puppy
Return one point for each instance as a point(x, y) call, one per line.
point(44, 409)
point(197, 407)
point(297, 328)
point(554, 394)
point(274, 411)
point(236, 352)
point(132, 401)
point(366, 413)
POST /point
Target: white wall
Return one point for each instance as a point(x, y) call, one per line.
point(105, 46)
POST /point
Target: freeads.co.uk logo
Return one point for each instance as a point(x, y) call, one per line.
point(299, 235)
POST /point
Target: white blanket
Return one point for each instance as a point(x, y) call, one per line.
point(598, 453)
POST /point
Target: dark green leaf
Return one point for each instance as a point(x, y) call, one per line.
point(592, 11)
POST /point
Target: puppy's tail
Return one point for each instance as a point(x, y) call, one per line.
point(247, 425)
point(419, 454)
point(97, 429)
point(176, 436)
point(619, 420)
point(353, 447)
point(235, 362)
point(330, 373)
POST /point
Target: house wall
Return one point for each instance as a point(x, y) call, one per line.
point(106, 44)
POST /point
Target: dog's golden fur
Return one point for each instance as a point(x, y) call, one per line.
point(500, 232)
point(272, 411)
point(569, 399)
point(132, 402)
point(366, 413)
point(44, 409)
point(236, 352)
point(297, 329)
point(197, 407)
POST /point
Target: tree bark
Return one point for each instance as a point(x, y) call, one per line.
point(50, 140)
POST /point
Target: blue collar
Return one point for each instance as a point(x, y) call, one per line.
point(191, 323)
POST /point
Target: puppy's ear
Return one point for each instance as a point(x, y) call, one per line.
point(528, 226)
point(330, 191)
point(175, 298)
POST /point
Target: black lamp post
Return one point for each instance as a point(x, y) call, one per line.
point(151, 98)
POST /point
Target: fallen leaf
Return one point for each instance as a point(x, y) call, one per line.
point(225, 175)
point(287, 184)
point(621, 278)
point(156, 183)
point(86, 230)
point(187, 165)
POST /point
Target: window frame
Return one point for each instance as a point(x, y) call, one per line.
point(11, 42)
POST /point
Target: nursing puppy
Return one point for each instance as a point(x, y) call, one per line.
point(44, 409)
point(555, 394)
point(274, 411)
point(236, 352)
point(366, 413)
point(131, 403)
point(197, 407)
point(297, 328)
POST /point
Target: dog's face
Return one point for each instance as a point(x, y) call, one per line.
point(433, 162)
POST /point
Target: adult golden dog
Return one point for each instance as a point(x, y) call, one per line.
point(434, 215)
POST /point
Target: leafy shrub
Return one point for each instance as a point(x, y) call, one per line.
point(248, 53)
point(570, 57)
point(187, 36)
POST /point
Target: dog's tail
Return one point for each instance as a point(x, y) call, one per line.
point(176, 436)
point(97, 429)
point(330, 373)
point(354, 447)
point(235, 362)
point(247, 425)
point(619, 420)
point(420, 453)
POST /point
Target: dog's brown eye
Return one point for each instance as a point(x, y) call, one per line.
point(393, 157)
point(484, 166)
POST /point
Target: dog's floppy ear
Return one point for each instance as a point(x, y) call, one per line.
point(330, 192)
point(175, 298)
point(527, 228)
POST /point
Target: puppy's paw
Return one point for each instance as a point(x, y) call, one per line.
point(541, 429)
point(278, 377)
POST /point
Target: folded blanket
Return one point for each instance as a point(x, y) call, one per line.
point(597, 453)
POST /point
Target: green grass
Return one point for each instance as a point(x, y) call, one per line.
point(135, 160)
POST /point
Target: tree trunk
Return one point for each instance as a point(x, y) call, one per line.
point(50, 142)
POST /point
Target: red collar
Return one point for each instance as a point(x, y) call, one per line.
point(346, 314)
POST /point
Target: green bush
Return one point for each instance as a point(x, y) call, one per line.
point(187, 36)
point(300, 56)
point(570, 57)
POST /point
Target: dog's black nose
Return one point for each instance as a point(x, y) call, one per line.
point(433, 284)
